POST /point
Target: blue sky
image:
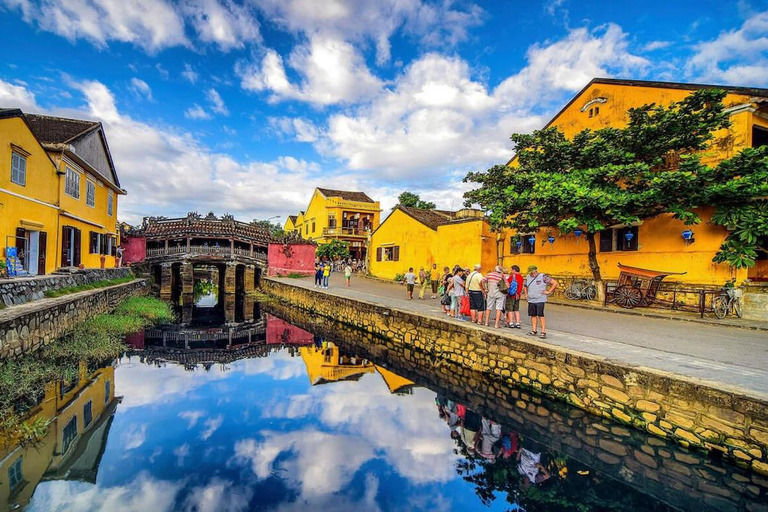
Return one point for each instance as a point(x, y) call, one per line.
point(244, 106)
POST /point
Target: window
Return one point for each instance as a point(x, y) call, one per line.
point(597, 111)
point(18, 169)
point(87, 413)
point(69, 434)
point(527, 246)
point(90, 193)
point(107, 386)
point(72, 184)
point(306, 229)
point(331, 221)
point(94, 242)
point(110, 203)
point(759, 137)
point(619, 239)
point(591, 112)
point(15, 476)
point(313, 226)
point(391, 253)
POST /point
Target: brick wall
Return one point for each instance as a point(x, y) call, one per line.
point(20, 291)
point(672, 408)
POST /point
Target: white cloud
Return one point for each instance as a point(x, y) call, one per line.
point(216, 495)
point(135, 437)
point(331, 70)
point(189, 74)
point(192, 417)
point(738, 56)
point(656, 45)
point(217, 104)
point(17, 96)
point(149, 24)
point(224, 23)
point(196, 112)
point(141, 88)
point(211, 425)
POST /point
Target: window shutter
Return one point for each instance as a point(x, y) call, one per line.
point(64, 247)
point(396, 253)
point(92, 243)
point(42, 251)
point(606, 240)
point(76, 259)
point(379, 250)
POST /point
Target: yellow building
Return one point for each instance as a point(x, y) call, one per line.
point(328, 364)
point(338, 215)
point(79, 417)
point(655, 243)
point(58, 192)
point(411, 237)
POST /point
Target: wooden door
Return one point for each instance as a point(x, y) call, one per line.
point(76, 247)
point(66, 240)
point(41, 253)
point(21, 246)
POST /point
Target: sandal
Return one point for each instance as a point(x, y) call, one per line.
point(543, 335)
point(532, 333)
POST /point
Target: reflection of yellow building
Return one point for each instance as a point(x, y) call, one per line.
point(337, 215)
point(327, 364)
point(396, 384)
point(58, 192)
point(656, 243)
point(411, 237)
point(80, 416)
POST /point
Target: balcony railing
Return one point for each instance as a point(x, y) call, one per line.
point(205, 249)
point(346, 232)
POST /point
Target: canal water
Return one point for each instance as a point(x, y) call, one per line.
point(282, 412)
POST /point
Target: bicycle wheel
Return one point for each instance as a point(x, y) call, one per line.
point(737, 306)
point(720, 306)
point(590, 292)
point(571, 294)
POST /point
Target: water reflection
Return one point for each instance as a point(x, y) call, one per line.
point(265, 414)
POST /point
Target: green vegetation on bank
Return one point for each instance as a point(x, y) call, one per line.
point(90, 286)
point(97, 340)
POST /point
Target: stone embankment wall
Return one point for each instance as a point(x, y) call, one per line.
point(23, 290)
point(684, 478)
point(664, 405)
point(27, 327)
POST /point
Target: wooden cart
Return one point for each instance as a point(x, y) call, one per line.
point(637, 286)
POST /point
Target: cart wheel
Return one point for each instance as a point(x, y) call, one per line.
point(590, 292)
point(720, 305)
point(627, 296)
point(737, 306)
point(571, 294)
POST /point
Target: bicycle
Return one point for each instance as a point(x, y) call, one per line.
point(579, 289)
point(729, 301)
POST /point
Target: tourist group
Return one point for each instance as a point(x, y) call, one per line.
point(470, 294)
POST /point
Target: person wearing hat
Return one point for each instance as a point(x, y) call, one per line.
point(536, 288)
point(477, 290)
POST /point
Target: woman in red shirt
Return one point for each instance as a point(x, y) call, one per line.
point(512, 305)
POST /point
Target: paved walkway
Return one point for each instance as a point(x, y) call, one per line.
point(730, 357)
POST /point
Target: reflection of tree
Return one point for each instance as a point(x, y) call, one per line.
point(203, 288)
point(572, 486)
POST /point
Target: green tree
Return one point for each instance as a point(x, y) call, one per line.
point(414, 201)
point(275, 229)
point(333, 250)
point(624, 175)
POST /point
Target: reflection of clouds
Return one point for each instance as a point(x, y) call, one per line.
point(149, 385)
point(279, 365)
point(192, 417)
point(319, 463)
point(337, 502)
point(135, 437)
point(211, 425)
point(297, 406)
point(218, 495)
point(181, 453)
point(141, 495)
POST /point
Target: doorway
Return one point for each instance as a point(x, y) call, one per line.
point(70, 246)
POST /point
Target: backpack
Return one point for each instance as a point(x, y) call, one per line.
point(502, 285)
point(513, 287)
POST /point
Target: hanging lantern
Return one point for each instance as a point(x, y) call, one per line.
point(688, 236)
point(519, 244)
point(532, 240)
point(629, 236)
point(578, 233)
point(551, 239)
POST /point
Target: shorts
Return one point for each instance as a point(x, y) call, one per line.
point(512, 304)
point(434, 285)
point(536, 308)
point(495, 302)
point(476, 301)
point(410, 288)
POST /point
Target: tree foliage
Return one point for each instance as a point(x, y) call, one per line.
point(624, 175)
point(414, 201)
point(333, 250)
point(274, 228)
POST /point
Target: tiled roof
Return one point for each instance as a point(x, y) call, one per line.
point(58, 130)
point(293, 218)
point(211, 226)
point(360, 197)
point(430, 218)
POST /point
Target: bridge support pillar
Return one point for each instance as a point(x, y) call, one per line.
point(250, 278)
point(187, 278)
point(230, 280)
point(166, 281)
point(229, 307)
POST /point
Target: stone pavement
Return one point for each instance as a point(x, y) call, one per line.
point(724, 357)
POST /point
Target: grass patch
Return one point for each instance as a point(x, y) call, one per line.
point(98, 340)
point(90, 286)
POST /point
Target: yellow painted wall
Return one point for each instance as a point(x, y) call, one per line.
point(661, 244)
point(41, 185)
point(464, 243)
